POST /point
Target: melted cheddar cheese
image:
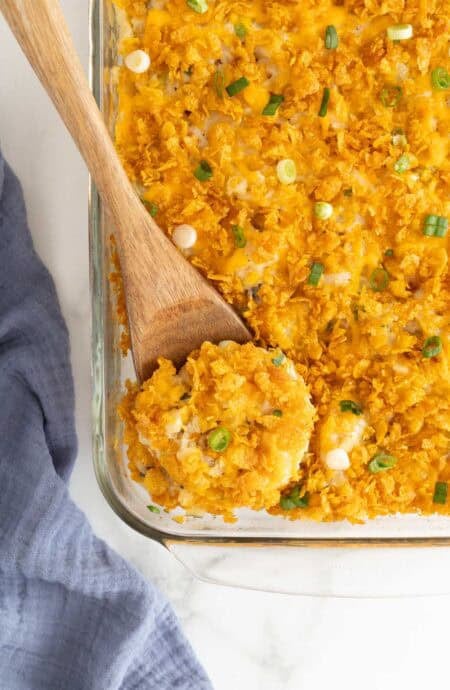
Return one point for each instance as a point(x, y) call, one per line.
point(379, 156)
point(255, 401)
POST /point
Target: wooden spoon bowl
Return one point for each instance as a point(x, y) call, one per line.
point(171, 308)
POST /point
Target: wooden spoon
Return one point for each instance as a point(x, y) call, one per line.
point(171, 308)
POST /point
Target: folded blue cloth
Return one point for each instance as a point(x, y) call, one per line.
point(73, 614)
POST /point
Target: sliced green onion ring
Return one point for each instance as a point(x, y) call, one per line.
point(400, 32)
point(239, 236)
point(325, 100)
point(219, 439)
point(440, 79)
point(381, 462)
point(315, 273)
point(402, 164)
point(240, 31)
point(379, 279)
point(331, 37)
point(432, 347)
point(237, 86)
point(323, 210)
point(435, 226)
point(274, 103)
point(151, 207)
point(279, 359)
point(350, 406)
point(294, 500)
point(203, 171)
point(199, 6)
point(286, 171)
point(441, 227)
point(430, 225)
point(390, 95)
point(440, 493)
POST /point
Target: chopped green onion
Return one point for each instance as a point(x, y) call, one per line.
point(435, 226)
point(294, 500)
point(277, 413)
point(315, 273)
point(154, 509)
point(348, 191)
point(389, 252)
point(323, 210)
point(441, 227)
point(381, 462)
point(440, 79)
point(390, 95)
point(331, 38)
point(379, 279)
point(325, 100)
point(219, 83)
point(399, 32)
point(219, 439)
point(432, 347)
point(237, 86)
point(151, 207)
point(430, 225)
point(440, 493)
point(239, 236)
point(203, 172)
point(240, 31)
point(279, 359)
point(402, 164)
point(350, 406)
point(286, 503)
point(199, 6)
point(274, 103)
point(286, 171)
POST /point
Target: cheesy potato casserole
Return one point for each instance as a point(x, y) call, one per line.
point(297, 154)
point(229, 430)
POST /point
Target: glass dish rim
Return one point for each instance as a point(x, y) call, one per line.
point(99, 450)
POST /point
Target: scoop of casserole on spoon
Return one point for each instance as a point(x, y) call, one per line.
point(171, 308)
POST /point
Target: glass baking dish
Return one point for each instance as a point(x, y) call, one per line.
point(259, 551)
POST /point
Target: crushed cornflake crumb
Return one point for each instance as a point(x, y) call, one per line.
point(359, 333)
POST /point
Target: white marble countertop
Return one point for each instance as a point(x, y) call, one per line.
point(246, 640)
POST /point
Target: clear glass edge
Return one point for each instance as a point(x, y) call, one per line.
point(171, 539)
point(96, 278)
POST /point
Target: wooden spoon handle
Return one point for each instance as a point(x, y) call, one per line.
point(41, 31)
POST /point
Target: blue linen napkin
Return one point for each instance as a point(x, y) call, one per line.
point(73, 614)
